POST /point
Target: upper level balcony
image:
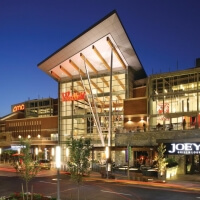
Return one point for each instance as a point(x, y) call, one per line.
point(155, 135)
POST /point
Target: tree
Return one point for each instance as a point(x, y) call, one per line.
point(79, 159)
point(26, 167)
point(161, 160)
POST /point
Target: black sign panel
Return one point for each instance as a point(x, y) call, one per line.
point(183, 148)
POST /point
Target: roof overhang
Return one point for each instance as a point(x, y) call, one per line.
point(93, 49)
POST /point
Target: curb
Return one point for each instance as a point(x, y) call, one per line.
point(148, 184)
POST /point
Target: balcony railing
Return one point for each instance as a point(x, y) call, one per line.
point(153, 128)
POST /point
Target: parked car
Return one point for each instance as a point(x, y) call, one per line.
point(45, 164)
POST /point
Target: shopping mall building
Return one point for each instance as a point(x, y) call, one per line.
point(104, 94)
point(36, 119)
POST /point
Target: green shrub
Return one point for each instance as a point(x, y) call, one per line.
point(171, 162)
point(37, 196)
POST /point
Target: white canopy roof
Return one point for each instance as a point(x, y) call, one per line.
point(93, 48)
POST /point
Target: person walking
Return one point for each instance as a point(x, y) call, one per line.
point(144, 127)
point(184, 124)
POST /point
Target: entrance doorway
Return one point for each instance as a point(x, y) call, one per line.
point(192, 164)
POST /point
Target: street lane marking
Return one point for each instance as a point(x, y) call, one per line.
point(116, 193)
point(47, 182)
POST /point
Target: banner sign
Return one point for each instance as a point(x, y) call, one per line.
point(187, 148)
point(128, 153)
point(67, 96)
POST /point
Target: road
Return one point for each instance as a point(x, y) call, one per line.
point(91, 189)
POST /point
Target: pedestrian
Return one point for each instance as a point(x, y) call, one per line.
point(170, 127)
point(144, 127)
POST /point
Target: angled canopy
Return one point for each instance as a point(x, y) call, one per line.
point(93, 48)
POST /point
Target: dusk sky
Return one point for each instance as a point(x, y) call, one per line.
point(164, 33)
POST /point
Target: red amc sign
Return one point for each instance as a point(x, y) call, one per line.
point(18, 107)
point(66, 96)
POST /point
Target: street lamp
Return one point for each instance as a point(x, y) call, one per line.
point(36, 152)
point(107, 152)
point(67, 152)
point(67, 155)
point(58, 165)
point(52, 152)
point(52, 155)
point(0, 154)
point(18, 150)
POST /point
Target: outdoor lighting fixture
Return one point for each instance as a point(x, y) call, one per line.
point(38, 136)
point(67, 152)
point(19, 136)
point(52, 152)
point(36, 151)
point(107, 152)
point(29, 136)
point(58, 165)
point(58, 157)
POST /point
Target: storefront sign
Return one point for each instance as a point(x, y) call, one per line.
point(67, 96)
point(183, 148)
point(18, 107)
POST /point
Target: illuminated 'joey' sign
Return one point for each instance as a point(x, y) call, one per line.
point(183, 148)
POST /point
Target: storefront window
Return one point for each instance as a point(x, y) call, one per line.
point(174, 95)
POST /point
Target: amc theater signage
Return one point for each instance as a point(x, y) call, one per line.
point(18, 107)
point(67, 96)
point(183, 148)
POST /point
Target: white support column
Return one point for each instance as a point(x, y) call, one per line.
point(110, 106)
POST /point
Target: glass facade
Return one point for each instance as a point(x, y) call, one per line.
point(77, 118)
point(173, 98)
point(40, 108)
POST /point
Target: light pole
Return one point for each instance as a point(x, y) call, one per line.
point(58, 165)
point(0, 154)
point(19, 150)
point(53, 154)
point(36, 153)
point(107, 152)
point(67, 155)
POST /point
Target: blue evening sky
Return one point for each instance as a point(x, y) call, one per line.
point(164, 33)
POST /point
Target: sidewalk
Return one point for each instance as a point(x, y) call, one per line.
point(181, 182)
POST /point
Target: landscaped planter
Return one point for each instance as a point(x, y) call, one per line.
point(171, 171)
point(19, 196)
